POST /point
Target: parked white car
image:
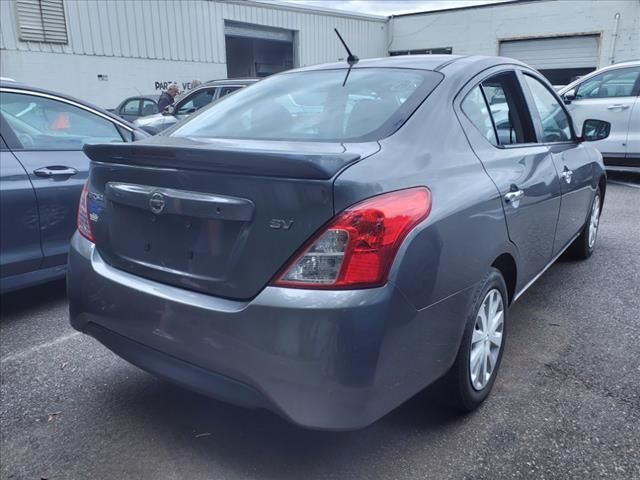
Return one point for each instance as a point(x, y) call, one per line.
point(611, 94)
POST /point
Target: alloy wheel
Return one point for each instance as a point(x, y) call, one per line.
point(594, 220)
point(486, 340)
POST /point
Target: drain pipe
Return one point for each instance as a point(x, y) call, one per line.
point(614, 38)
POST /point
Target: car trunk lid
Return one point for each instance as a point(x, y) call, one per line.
point(207, 215)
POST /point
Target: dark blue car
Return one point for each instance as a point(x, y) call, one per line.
point(42, 170)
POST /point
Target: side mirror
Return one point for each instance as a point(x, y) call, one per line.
point(569, 96)
point(594, 130)
point(168, 110)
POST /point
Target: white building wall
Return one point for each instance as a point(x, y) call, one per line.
point(478, 31)
point(137, 43)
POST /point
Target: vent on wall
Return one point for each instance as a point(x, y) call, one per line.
point(41, 21)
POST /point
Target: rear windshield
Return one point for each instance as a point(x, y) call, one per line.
point(315, 106)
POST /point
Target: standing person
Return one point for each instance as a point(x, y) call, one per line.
point(194, 84)
point(168, 97)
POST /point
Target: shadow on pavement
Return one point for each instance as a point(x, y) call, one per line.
point(258, 442)
point(25, 299)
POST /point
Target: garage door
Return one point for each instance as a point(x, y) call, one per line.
point(549, 53)
point(257, 50)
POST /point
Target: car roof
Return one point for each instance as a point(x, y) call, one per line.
point(615, 66)
point(29, 88)
point(419, 62)
point(230, 81)
point(150, 97)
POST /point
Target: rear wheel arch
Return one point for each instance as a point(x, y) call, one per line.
point(506, 264)
point(602, 183)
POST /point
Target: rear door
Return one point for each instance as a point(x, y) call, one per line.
point(50, 134)
point(607, 96)
point(632, 159)
point(19, 222)
point(501, 132)
point(573, 162)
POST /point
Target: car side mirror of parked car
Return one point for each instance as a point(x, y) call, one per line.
point(168, 110)
point(569, 96)
point(593, 130)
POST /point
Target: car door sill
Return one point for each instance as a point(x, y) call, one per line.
point(553, 260)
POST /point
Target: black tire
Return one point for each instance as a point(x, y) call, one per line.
point(455, 389)
point(580, 248)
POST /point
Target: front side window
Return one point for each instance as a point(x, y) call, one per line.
point(44, 124)
point(555, 121)
point(508, 109)
point(315, 106)
point(149, 107)
point(475, 108)
point(196, 101)
point(614, 83)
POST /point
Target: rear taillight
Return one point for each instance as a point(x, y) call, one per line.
point(84, 224)
point(357, 248)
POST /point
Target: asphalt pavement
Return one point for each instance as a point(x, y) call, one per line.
point(566, 403)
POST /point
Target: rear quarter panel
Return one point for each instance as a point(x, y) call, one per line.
point(441, 262)
point(454, 247)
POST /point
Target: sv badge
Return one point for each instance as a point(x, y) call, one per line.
point(280, 224)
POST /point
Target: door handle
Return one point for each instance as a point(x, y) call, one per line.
point(617, 106)
point(55, 171)
point(567, 174)
point(513, 197)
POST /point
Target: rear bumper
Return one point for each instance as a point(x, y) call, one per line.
point(323, 359)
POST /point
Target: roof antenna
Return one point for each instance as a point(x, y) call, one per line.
point(351, 59)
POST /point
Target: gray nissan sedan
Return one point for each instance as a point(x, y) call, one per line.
point(328, 242)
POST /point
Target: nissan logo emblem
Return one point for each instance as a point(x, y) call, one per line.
point(156, 202)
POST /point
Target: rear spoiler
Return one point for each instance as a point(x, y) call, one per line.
point(269, 163)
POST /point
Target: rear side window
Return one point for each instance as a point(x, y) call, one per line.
point(45, 124)
point(317, 106)
point(475, 108)
point(555, 121)
point(196, 101)
point(132, 107)
point(224, 91)
point(614, 83)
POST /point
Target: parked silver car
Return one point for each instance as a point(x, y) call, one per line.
point(611, 94)
point(331, 268)
point(190, 103)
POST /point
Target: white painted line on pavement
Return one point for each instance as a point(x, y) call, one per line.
point(626, 184)
point(34, 349)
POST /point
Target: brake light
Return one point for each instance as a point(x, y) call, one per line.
point(357, 248)
point(84, 224)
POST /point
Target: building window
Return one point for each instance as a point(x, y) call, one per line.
point(41, 21)
point(423, 51)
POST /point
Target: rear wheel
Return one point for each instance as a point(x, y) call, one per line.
point(583, 246)
point(474, 371)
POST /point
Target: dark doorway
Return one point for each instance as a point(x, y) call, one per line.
point(564, 76)
point(255, 57)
